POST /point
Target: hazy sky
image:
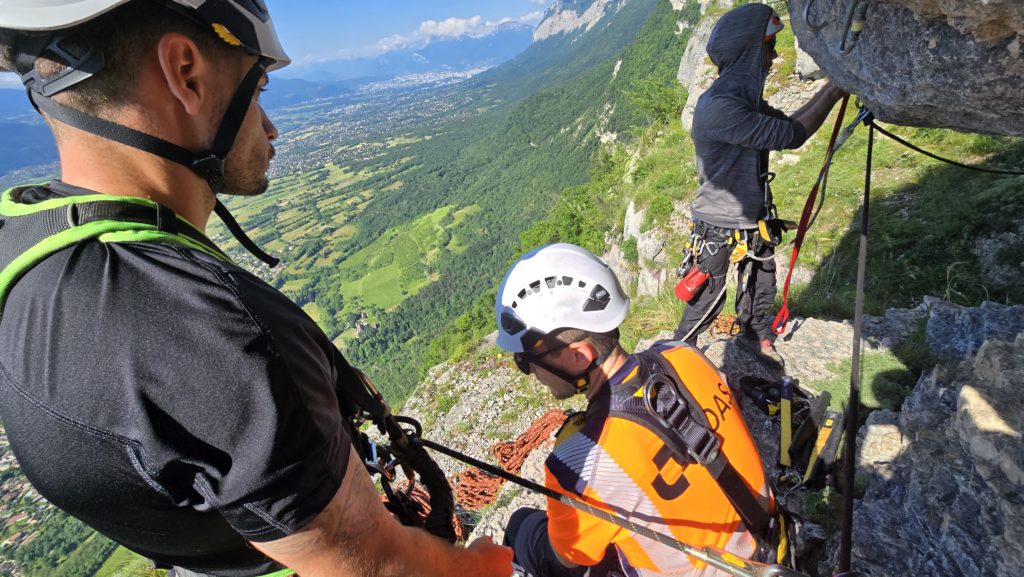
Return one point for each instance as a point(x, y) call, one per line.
point(314, 30)
point(328, 29)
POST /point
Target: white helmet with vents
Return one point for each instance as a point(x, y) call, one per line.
point(244, 23)
point(559, 286)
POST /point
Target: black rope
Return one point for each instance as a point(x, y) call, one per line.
point(849, 456)
point(916, 148)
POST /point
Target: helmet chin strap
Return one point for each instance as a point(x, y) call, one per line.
point(208, 165)
point(581, 381)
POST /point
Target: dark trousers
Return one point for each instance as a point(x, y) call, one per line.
point(755, 291)
point(527, 535)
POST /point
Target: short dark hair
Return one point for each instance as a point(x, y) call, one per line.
point(122, 35)
point(603, 343)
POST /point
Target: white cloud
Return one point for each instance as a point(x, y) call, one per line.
point(540, 2)
point(474, 27)
point(533, 18)
point(455, 27)
point(10, 80)
point(428, 31)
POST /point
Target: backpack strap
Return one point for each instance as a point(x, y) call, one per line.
point(31, 233)
point(663, 405)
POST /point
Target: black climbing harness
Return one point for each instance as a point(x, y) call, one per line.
point(663, 405)
point(713, 556)
point(364, 404)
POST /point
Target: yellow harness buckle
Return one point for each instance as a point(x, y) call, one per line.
point(740, 248)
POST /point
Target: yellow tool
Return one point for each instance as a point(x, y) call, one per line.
point(826, 446)
point(787, 421)
point(762, 228)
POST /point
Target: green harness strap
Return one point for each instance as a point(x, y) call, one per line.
point(29, 233)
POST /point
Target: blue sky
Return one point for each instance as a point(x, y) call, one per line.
point(313, 30)
point(329, 29)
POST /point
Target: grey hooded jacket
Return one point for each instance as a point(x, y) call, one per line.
point(734, 128)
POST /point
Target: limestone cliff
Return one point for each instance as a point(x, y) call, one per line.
point(942, 63)
point(945, 474)
point(566, 16)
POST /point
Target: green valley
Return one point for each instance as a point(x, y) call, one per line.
point(387, 237)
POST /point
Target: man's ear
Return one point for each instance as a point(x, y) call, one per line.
point(182, 66)
point(583, 354)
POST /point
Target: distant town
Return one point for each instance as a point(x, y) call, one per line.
point(341, 129)
point(22, 509)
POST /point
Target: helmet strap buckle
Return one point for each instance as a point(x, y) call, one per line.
point(211, 169)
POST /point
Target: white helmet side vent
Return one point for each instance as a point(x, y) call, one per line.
point(556, 287)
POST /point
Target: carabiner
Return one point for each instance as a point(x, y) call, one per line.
point(855, 18)
point(807, 17)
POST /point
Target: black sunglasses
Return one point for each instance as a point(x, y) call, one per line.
point(523, 360)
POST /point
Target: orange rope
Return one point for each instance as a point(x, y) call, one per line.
point(417, 502)
point(475, 489)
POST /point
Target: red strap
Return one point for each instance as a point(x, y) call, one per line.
point(779, 326)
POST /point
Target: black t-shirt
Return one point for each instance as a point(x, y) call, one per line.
point(176, 403)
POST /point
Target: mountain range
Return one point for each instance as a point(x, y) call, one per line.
point(440, 55)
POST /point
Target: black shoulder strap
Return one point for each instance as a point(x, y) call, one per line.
point(32, 235)
point(667, 409)
point(22, 233)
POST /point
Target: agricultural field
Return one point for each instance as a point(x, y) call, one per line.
point(398, 264)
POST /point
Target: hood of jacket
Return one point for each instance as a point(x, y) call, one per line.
point(736, 47)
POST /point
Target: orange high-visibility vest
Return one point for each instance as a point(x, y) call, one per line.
point(623, 467)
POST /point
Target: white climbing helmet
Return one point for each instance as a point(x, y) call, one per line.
point(558, 286)
point(244, 23)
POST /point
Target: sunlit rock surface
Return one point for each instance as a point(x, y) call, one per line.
point(943, 63)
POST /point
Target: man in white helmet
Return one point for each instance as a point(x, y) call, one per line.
point(733, 130)
point(662, 442)
point(148, 385)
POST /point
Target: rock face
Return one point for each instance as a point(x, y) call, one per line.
point(946, 475)
point(988, 20)
point(696, 73)
point(570, 15)
point(943, 63)
point(957, 332)
point(997, 270)
point(650, 247)
point(806, 67)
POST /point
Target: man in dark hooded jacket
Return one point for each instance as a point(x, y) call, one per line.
point(733, 130)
